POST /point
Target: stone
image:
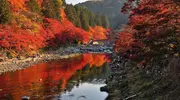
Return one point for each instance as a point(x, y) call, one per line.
point(1, 59)
point(21, 58)
point(104, 89)
point(25, 98)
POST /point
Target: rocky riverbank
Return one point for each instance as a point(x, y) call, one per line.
point(62, 53)
point(157, 81)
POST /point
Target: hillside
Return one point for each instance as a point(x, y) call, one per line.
point(28, 26)
point(111, 8)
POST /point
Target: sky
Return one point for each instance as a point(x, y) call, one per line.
point(74, 1)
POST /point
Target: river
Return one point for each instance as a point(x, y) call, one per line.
point(77, 78)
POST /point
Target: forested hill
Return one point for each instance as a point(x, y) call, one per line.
point(83, 18)
point(111, 8)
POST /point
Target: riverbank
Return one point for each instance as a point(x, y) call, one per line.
point(156, 81)
point(61, 53)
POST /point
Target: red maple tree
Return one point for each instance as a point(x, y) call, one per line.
point(153, 28)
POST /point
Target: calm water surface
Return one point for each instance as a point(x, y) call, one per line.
point(78, 78)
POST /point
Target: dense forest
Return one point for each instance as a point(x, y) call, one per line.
point(83, 18)
point(26, 26)
point(110, 8)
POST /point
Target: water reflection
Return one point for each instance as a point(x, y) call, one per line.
point(46, 80)
point(86, 91)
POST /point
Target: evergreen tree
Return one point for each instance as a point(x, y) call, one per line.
point(5, 13)
point(51, 9)
point(105, 21)
point(33, 6)
point(84, 21)
point(92, 19)
point(63, 2)
point(98, 19)
point(78, 23)
point(72, 15)
point(78, 10)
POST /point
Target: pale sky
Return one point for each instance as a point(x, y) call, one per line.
point(74, 1)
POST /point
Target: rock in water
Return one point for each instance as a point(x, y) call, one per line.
point(104, 89)
point(25, 98)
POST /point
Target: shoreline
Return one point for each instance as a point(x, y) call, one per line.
point(157, 80)
point(14, 65)
point(62, 53)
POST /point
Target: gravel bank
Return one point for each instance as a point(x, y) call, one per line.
point(62, 53)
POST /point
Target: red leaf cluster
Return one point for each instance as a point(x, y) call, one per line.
point(21, 40)
point(149, 20)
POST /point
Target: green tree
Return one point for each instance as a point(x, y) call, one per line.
point(78, 23)
point(51, 9)
point(72, 15)
point(5, 13)
point(105, 21)
point(83, 18)
point(98, 19)
point(84, 21)
point(78, 10)
point(33, 6)
point(92, 19)
point(64, 2)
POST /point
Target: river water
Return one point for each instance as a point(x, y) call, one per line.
point(77, 78)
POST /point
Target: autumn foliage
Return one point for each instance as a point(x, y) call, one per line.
point(27, 33)
point(153, 29)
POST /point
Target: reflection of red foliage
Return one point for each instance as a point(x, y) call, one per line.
point(49, 73)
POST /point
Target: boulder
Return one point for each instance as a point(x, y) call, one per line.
point(104, 89)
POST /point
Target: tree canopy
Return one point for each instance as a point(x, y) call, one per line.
point(51, 9)
point(33, 6)
point(5, 13)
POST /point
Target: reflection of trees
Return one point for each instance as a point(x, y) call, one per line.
point(7, 97)
point(81, 98)
point(88, 74)
point(49, 78)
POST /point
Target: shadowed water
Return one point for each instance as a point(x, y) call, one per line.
point(78, 78)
